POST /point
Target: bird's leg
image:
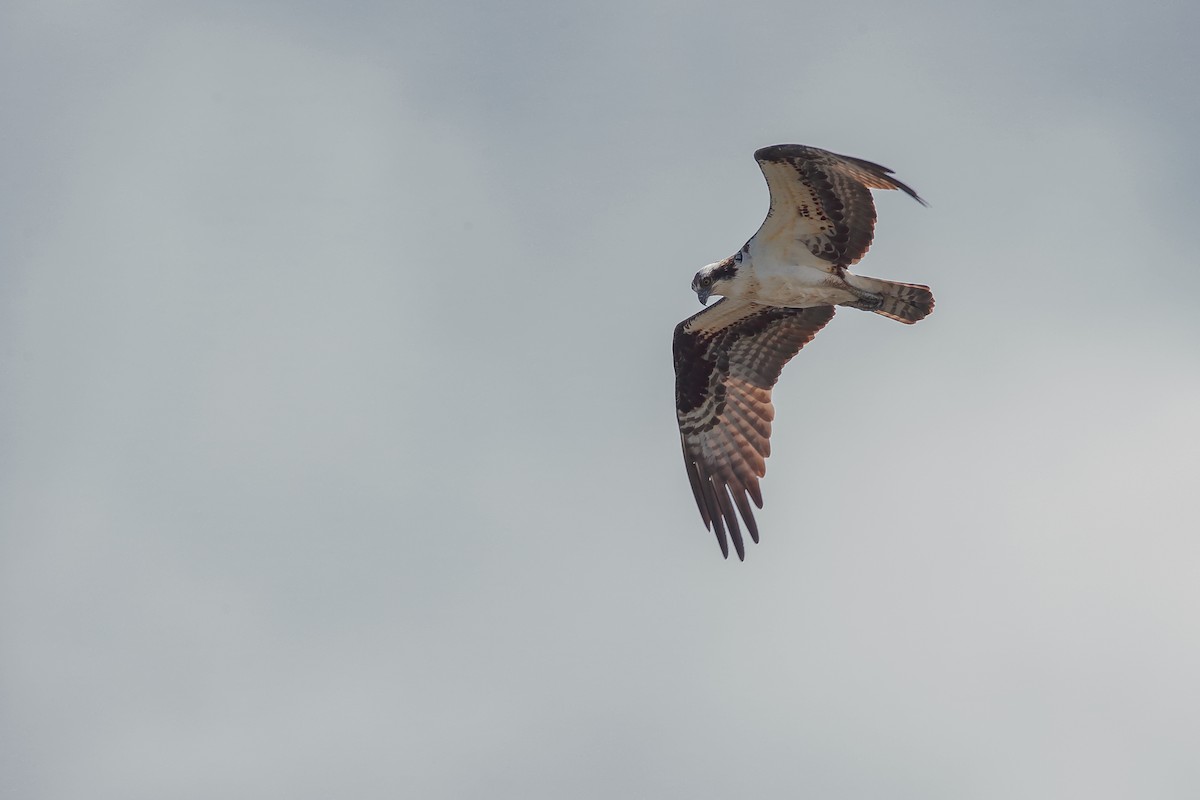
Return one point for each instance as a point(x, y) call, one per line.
point(867, 301)
point(867, 304)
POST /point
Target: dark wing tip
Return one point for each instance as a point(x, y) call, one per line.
point(908, 190)
point(886, 175)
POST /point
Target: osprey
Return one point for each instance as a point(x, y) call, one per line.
point(779, 290)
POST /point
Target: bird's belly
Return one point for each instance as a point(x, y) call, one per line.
point(803, 287)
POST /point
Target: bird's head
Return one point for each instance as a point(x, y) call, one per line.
point(716, 278)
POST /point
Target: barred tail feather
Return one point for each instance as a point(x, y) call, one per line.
point(903, 302)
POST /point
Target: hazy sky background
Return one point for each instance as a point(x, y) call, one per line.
point(337, 444)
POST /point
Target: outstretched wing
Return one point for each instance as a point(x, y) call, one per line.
point(820, 203)
point(727, 358)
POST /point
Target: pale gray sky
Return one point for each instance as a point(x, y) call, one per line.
point(337, 443)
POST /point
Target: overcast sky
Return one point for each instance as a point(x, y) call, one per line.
point(337, 445)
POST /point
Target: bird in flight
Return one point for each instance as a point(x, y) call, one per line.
point(778, 291)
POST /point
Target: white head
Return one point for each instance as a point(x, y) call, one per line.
point(716, 278)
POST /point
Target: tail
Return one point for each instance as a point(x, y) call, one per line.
point(903, 302)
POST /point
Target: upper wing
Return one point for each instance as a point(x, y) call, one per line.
point(821, 201)
point(727, 358)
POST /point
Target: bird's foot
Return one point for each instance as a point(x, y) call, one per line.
point(867, 301)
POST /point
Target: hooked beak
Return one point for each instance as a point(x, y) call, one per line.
point(703, 295)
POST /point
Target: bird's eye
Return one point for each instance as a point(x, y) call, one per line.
point(706, 281)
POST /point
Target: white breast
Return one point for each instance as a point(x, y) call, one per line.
point(794, 285)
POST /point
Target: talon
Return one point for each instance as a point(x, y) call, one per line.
point(866, 301)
